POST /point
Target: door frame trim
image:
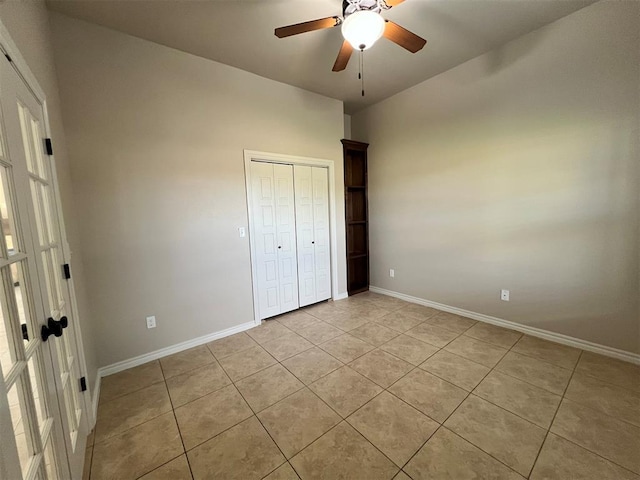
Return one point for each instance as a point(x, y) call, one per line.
point(8, 47)
point(253, 155)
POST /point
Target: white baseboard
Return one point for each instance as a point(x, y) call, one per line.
point(534, 332)
point(163, 352)
point(341, 296)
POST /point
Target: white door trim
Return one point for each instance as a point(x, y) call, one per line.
point(253, 155)
point(9, 48)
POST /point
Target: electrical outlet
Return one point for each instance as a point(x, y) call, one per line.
point(504, 295)
point(392, 273)
point(151, 322)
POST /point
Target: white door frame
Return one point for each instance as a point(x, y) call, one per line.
point(252, 155)
point(8, 47)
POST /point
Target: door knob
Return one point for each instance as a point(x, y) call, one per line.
point(52, 328)
point(62, 323)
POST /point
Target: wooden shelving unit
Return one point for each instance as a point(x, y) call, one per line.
point(357, 215)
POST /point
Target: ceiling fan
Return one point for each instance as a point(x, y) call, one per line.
point(362, 25)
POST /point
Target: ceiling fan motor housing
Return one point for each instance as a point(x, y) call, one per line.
point(351, 6)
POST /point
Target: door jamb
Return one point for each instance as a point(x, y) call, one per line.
point(252, 155)
point(8, 47)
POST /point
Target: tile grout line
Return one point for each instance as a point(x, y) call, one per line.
point(554, 415)
point(175, 418)
point(235, 386)
point(287, 460)
point(345, 418)
point(491, 370)
point(177, 426)
point(456, 409)
point(258, 419)
point(342, 364)
point(342, 419)
point(602, 380)
point(386, 389)
point(132, 427)
point(263, 427)
point(91, 461)
point(575, 369)
point(441, 425)
point(589, 408)
point(414, 367)
point(411, 406)
point(510, 349)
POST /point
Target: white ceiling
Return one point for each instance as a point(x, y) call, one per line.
point(240, 33)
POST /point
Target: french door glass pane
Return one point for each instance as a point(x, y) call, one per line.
point(7, 347)
point(72, 406)
point(32, 150)
point(20, 422)
point(50, 461)
point(3, 150)
point(56, 266)
point(36, 147)
point(37, 382)
point(48, 214)
point(20, 288)
point(6, 212)
point(37, 206)
point(48, 277)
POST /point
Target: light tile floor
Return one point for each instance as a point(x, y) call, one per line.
point(368, 388)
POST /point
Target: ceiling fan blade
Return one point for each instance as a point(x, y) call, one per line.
point(343, 57)
point(303, 27)
point(403, 37)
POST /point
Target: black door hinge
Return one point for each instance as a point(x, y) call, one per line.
point(66, 271)
point(48, 146)
point(8, 57)
point(25, 332)
point(83, 384)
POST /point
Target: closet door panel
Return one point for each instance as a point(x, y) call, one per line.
point(304, 228)
point(265, 238)
point(321, 236)
point(286, 231)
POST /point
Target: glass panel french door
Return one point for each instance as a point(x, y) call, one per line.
point(31, 432)
point(40, 374)
point(49, 251)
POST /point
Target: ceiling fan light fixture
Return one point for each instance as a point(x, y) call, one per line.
point(362, 29)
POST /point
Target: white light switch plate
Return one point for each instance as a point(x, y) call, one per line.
point(151, 322)
point(242, 232)
point(504, 295)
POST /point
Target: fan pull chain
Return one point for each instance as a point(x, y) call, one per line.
point(361, 72)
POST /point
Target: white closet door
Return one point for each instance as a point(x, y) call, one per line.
point(305, 233)
point(265, 238)
point(322, 252)
point(286, 234)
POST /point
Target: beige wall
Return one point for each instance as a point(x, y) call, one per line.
point(28, 25)
point(156, 139)
point(347, 127)
point(519, 170)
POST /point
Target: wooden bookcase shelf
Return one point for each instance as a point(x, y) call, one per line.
point(357, 215)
